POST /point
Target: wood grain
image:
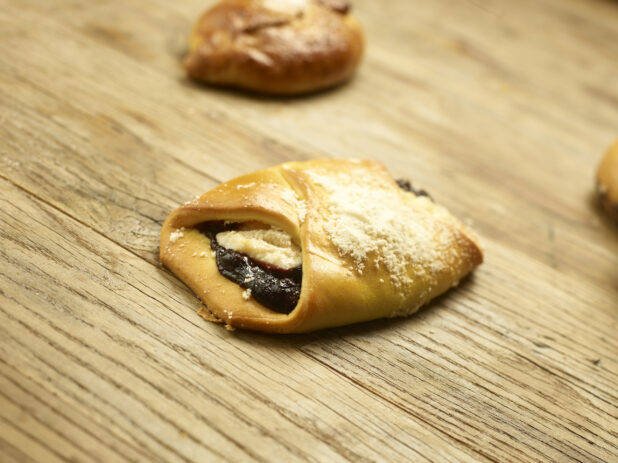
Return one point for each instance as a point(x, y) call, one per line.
point(500, 109)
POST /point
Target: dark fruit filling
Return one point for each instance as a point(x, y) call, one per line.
point(405, 185)
point(275, 288)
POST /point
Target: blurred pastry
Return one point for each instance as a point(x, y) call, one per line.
point(607, 181)
point(279, 47)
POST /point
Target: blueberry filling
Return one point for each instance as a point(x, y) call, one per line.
point(405, 185)
point(275, 288)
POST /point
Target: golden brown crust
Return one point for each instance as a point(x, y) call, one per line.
point(416, 250)
point(275, 46)
point(607, 181)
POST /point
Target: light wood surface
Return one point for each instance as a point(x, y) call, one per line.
point(501, 110)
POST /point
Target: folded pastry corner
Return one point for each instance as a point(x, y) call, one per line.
point(309, 245)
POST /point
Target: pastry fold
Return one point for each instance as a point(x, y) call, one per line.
point(369, 248)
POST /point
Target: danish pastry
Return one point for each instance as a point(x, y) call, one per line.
point(275, 46)
point(607, 181)
point(310, 245)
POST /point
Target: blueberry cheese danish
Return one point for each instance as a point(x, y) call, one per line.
point(310, 245)
point(275, 46)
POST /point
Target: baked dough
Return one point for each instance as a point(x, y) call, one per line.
point(369, 248)
point(275, 46)
point(607, 181)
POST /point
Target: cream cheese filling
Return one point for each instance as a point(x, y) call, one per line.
point(272, 246)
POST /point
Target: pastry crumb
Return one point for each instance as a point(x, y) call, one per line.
point(246, 294)
point(194, 200)
point(176, 235)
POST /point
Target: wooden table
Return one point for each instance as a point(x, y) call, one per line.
point(500, 109)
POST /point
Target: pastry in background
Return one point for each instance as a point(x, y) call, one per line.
point(280, 47)
point(607, 181)
point(309, 245)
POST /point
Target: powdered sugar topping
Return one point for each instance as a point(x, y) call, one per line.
point(371, 223)
point(176, 235)
point(290, 197)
